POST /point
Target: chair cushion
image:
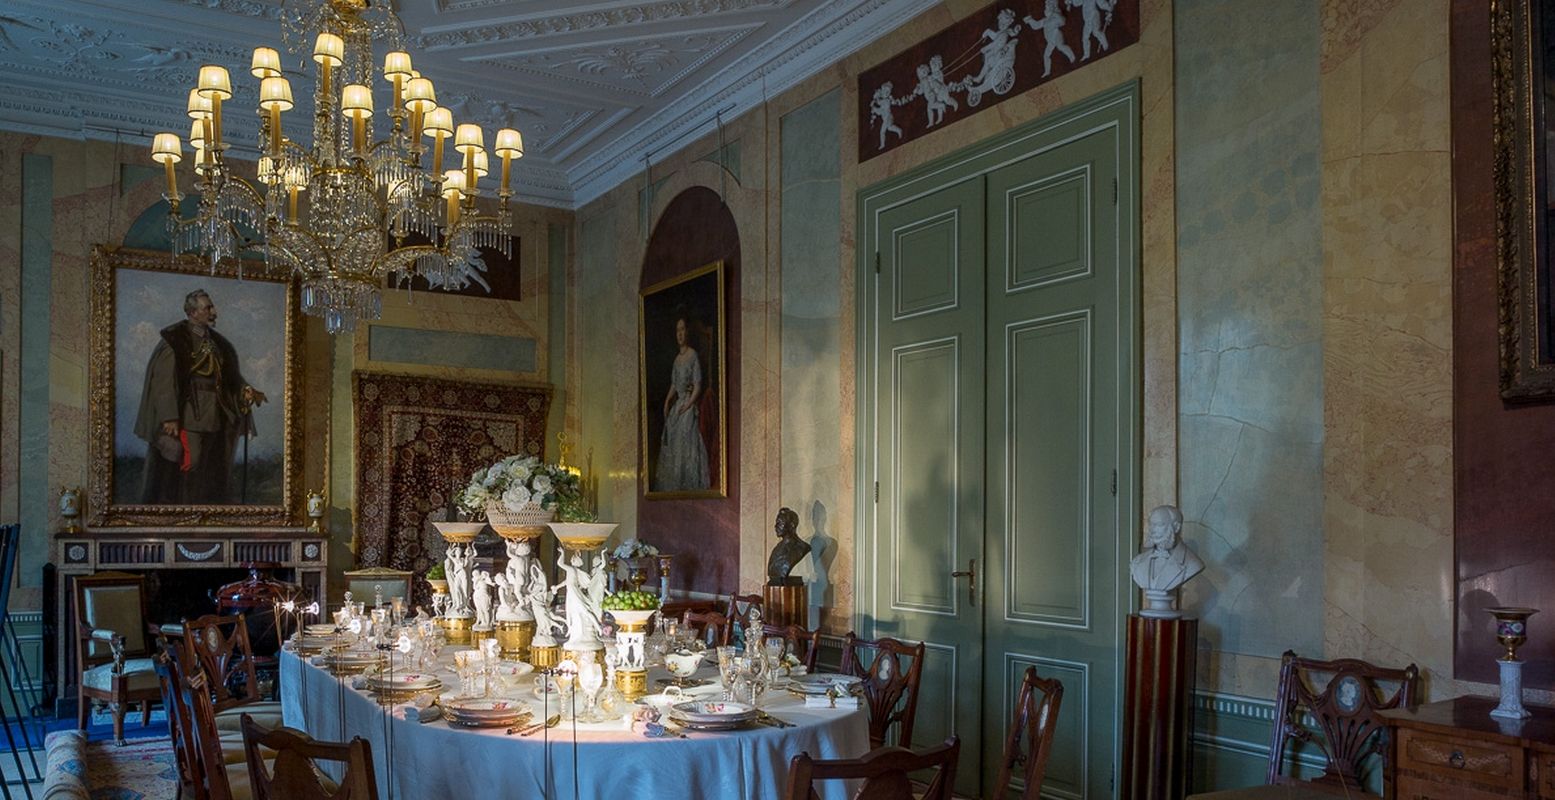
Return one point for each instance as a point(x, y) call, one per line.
point(238, 782)
point(233, 750)
point(140, 675)
point(267, 713)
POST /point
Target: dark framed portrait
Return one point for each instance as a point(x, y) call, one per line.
point(194, 408)
point(681, 363)
point(1523, 62)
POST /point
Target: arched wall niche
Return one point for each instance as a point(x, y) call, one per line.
point(695, 229)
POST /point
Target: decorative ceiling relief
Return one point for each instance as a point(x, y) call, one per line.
point(592, 89)
point(978, 62)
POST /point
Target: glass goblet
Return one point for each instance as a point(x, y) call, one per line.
point(590, 679)
point(726, 670)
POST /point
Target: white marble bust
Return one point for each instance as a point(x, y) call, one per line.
point(1165, 564)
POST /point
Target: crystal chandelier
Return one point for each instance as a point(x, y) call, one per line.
point(339, 213)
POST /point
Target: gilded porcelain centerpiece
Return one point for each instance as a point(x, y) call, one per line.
point(1511, 632)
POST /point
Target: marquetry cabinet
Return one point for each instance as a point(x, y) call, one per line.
point(1454, 750)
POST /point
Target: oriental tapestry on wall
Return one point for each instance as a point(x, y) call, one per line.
point(417, 440)
point(980, 62)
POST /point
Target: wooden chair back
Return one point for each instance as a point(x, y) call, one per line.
point(185, 750)
point(890, 689)
point(804, 645)
point(1350, 729)
point(885, 773)
point(211, 781)
point(739, 610)
point(220, 645)
point(709, 626)
point(292, 776)
point(110, 601)
point(1036, 717)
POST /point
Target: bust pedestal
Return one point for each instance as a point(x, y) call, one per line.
point(788, 604)
point(1158, 707)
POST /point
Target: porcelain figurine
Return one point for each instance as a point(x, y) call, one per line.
point(458, 564)
point(582, 606)
point(546, 622)
point(1165, 564)
point(509, 607)
point(483, 604)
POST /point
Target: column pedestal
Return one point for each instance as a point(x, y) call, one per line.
point(1158, 707)
point(786, 605)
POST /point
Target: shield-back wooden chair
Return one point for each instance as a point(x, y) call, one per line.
point(884, 773)
point(1035, 720)
point(709, 626)
point(890, 690)
point(802, 644)
point(292, 773)
point(221, 647)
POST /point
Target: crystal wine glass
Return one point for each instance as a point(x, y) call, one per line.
point(726, 670)
point(591, 677)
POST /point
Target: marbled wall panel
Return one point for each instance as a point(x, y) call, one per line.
point(1249, 269)
point(391, 343)
point(606, 330)
point(37, 244)
point(1387, 332)
point(811, 438)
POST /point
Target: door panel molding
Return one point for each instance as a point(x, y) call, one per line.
point(1079, 320)
point(900, 530)
point(1080, 176)
point(952, 217)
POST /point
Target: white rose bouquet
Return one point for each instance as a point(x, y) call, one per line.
point(515, 482)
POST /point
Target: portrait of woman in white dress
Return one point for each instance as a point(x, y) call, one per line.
point(682, 453)
point(682, 391)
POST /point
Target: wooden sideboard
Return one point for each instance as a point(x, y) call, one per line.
point(1454, 750)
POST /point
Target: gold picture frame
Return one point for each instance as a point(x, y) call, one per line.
point(113, 452)
point(694, 300)
point(1522, 175)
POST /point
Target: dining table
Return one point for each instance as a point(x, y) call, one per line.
point(434, 760)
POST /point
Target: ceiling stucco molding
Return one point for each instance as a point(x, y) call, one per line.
point(613, 66)
point(776, 65)
point(637, 14)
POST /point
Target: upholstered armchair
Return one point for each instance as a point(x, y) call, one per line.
point(111, 647)
point(364, 583)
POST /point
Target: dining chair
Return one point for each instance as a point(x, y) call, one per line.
point(709, 626)
point(1349, 726)
point(1035, 719)
point(185, 756)
point(890, 691)
point(219, 644)
point(292, 775)
point(803, 644)
point(739, 610)
point(217, 777)
point(111, 648)
point(884, 773)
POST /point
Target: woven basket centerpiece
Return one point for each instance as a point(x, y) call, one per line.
point(526, 523)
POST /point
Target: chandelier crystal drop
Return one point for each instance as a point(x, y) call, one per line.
point(345, 212)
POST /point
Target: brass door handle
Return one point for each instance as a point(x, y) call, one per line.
point(971, 587)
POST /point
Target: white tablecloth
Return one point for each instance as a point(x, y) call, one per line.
point(434, 761)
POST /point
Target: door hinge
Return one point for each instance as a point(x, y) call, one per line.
point(1114, 483)
point(877, 262)
point(877, 491)
point(1114, 191)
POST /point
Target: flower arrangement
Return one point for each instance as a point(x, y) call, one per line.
point(634, 548)
point(515, 483)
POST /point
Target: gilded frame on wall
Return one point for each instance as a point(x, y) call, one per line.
point(147, 273)
point(673, 432)
point(1523, 149)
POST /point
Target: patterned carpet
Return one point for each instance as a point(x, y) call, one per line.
point(141, 770)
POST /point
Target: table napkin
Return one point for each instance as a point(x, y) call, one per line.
point(826, 702)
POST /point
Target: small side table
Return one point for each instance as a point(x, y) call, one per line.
point(1454, 750)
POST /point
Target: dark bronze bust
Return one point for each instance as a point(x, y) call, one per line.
point(788, 552)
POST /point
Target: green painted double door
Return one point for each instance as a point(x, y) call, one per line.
point(1000, 386)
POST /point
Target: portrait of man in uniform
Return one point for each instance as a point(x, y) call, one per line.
point(196, 412)
point(203, 405)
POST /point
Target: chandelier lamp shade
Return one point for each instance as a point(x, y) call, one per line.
point(346, 212)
